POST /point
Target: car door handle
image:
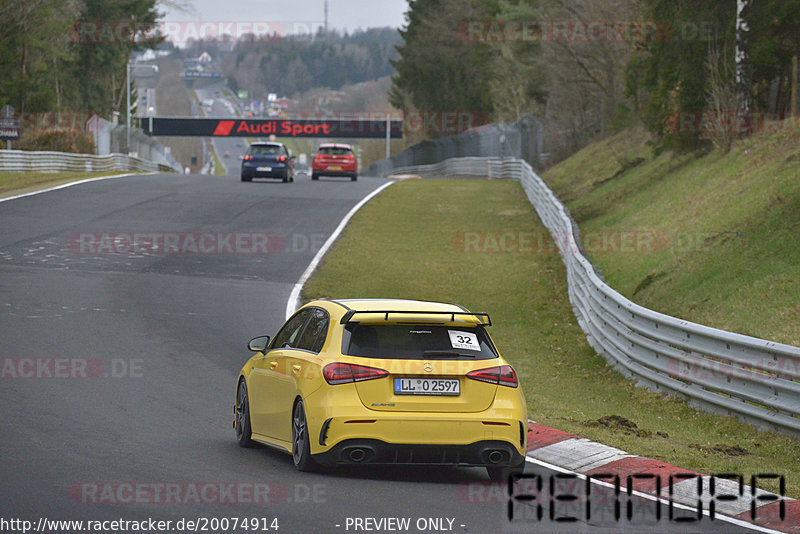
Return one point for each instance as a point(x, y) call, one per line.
point(273, 364)
point(296, 368)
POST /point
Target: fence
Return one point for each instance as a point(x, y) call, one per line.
point(22, 160)
point(522, 139)
point(111, 139)
point(754, 379)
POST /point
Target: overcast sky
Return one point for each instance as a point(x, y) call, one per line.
point(342, 14)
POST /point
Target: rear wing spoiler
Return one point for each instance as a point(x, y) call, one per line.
point(482, 319)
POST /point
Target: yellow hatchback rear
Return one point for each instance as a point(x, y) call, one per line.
point(431, 388)
point(380, 382)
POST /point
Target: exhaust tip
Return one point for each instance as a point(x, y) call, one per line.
point(357, 455)
point(496, 456)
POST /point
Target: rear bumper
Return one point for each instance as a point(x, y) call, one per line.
point(348, 174)
point(277, 170)
point(338, 422)
point(322, 170)
point(372, 451)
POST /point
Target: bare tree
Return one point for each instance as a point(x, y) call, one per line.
point(586, 60)
point(726, 113)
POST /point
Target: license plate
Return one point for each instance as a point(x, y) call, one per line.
point(264, 169)
point(427, 386)
point(334, 168)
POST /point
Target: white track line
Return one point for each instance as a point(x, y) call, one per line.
point(676, 504)
point(294, 296)
point(70, 184)
point(722, 517)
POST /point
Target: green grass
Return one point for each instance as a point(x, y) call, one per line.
point(173, 100)
point(409, 243)
point(16, 183)
point(219, 168)
point(726, 228)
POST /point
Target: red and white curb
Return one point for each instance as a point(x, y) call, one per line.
point(569, 453)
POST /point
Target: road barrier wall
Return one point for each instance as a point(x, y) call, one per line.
point(41, 161)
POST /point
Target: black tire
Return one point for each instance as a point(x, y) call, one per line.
point(314, 176)
point(301, 444)
point(502, 474)
point(286, 179)
point(242, 418)
point(354, 177)
point(246, 179)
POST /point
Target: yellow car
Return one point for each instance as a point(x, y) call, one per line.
point(383, 382)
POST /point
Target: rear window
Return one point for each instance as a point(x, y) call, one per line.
point(417, 342)
point(268, 150)
point(334, 150)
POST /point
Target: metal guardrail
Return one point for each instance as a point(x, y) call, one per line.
point(23, 160)
point(754, 379)
point(523, 139)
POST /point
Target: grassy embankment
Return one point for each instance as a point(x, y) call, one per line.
point(219, 168)
point(173, 100)
point(409, 242)
point(725, 228)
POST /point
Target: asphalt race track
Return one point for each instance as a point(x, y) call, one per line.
point(119, 367)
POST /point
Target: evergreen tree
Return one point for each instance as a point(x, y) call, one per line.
point(440, 68)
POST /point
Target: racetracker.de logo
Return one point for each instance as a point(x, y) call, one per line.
point(47, 368)
point(602, 242)
point(178, 493)
point(442, 122)
point(583, 31)
point(179, 243)
point(713, 370)
point(349, 124)
point(188, 31)
point(564, 31)
point(731, 122)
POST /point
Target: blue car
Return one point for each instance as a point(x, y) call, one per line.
point(268, 160)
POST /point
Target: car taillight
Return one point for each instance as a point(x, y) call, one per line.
point(349, 156)
point(281, 158)
point(248, 158)
point(343, 373)
point(503, 375)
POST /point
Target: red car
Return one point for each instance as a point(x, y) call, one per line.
point(334, 159)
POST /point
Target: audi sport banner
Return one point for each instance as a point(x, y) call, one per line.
point(333, 128)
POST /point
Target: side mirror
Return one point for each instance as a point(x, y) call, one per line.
point(258, 344)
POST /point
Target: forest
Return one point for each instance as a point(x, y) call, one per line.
point(586, 68)
point(51, 61)
point(295, 64)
